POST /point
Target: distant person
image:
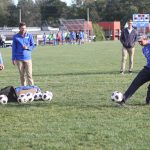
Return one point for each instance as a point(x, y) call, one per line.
point(143, 76)
point(22, 46)
point(81, 37)
point(128, 39)
point(44, 39)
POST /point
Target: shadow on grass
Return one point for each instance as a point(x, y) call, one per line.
point(33, 104)
point(85, 73)
point(78, 73)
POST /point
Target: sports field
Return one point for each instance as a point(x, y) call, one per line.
point(81, 115)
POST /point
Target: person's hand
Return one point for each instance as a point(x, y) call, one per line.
point(14, 62)
point(25, 47)
point(1, 67)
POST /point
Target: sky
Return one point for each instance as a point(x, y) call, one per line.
point(67, 1)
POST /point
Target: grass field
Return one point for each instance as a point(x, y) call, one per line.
point(81, 115)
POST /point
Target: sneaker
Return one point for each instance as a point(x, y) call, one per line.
point(121, 72)
point(121, 103)
point(130, 72)
point(147, 102)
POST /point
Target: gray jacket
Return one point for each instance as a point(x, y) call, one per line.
point(128, 40)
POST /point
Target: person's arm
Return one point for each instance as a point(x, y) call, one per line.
point(1, 62)
point(31, 44)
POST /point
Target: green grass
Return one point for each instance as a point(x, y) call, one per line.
point(81, 115)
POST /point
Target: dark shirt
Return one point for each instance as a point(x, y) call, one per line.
point(127, 39)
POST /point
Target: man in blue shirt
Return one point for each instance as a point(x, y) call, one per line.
point(143, 76)
point(23, 44)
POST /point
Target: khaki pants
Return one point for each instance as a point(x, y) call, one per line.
point(125, 53)
point(25, 70)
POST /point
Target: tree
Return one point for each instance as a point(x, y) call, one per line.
point(30, 13)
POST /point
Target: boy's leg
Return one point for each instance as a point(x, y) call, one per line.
point(148, 95)
point(142, 77)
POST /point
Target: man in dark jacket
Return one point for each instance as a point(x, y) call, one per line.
point(128, 39)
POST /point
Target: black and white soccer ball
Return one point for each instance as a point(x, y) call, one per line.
point(116, 96)
point(37, 96)
point(22, 98)
point(3, 99)
point(47, 96)
point(30, 97)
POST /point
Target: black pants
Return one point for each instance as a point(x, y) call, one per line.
point(142, 77)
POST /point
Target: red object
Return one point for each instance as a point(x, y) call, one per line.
point(112, 29)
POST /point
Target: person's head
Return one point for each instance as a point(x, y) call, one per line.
point(22, 27)
point(130, 22)
point(143, 40)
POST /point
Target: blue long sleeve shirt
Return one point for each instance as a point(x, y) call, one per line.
point(18, 52)
point(146, 52)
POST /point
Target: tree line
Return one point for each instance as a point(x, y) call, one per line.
point(48, 12)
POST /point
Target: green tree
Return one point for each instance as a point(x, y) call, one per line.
point(98, 32)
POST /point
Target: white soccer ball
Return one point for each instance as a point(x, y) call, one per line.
point(38, 96)
point(22, 98)
point(3, 99)
point(47, 96)
point(117, 96)
point(30, 97)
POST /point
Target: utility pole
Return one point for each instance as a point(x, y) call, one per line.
point(88, 18)
point(19, 15)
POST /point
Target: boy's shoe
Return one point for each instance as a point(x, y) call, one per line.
point(130, 72)
point(121, 102)
point(147, 102)
point(121, 72)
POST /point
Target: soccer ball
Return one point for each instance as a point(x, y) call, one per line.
point(47, 96)
point(3, 99)
point(22, 98)
point(38, 96)
point(117, 96)
point(30, 97)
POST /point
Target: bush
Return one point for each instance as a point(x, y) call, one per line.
point(98, 32)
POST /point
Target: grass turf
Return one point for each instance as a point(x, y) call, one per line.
point(81, 115)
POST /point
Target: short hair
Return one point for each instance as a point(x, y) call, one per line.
point(130, 21)
point(22, 24)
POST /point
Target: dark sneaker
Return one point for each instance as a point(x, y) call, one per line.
point(121, 102)
point(147, 102)
point(130, 72)
point(121, 72)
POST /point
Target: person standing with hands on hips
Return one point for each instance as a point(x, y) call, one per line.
point(128, 39)
point(22, 47)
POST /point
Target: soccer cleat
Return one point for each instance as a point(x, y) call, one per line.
point(121, 102)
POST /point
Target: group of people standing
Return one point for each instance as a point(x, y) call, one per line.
point(63, 37)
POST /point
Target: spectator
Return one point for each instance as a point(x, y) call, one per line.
point(44, 39)
point(23, 44)
point(128, 39)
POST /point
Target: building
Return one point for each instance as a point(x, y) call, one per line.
point(112, 29)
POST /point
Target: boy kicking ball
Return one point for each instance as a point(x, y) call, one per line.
point(143, 76)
